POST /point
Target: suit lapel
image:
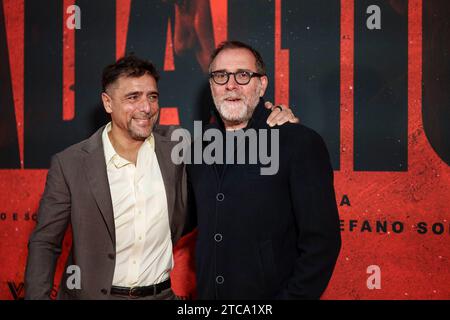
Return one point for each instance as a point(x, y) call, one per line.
point(163, 149)
point(95, 168)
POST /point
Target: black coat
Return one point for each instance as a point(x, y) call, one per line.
point(267, 236)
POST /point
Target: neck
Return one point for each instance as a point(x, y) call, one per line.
point(125, 146)
point(230, 126)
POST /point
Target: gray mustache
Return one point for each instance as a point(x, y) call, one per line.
point(232, 97)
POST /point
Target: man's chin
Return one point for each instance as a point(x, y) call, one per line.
point(233, 120)
point(140, 134)
point(232, 114)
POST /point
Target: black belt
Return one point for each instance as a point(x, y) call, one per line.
point(141, 291)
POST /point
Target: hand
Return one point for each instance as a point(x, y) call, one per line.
point(279, 117)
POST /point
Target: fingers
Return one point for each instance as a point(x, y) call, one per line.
point(271, 120)
point(283, 116)
point(268, 105)
point(278, 117)
point(290, 114)
point(294, 119)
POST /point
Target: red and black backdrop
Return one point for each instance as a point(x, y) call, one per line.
point(380, 98)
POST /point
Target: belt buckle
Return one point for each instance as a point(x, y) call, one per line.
point(133, 292)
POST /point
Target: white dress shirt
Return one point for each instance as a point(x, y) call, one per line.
point(143, 238)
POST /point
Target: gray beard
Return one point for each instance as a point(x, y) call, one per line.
point(250, 108)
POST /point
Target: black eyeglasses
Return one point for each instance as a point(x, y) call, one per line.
point(242, 77)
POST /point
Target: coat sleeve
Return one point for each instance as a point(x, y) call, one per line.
point(314, 204)
point(45, 243)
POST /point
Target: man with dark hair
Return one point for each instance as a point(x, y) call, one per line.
point(123, 196)
point(273, 236)
point(129, 66)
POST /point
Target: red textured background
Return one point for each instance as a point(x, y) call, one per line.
point(413, 266)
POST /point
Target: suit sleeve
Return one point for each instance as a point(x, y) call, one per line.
point(44, 246)
point(317, 218)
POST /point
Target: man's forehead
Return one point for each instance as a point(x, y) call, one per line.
point(144, 83)
point(235, 58)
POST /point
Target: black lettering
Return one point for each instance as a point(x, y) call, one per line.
point(397, 227)
point(314, 47)
point(436, 76)
point(245, 25)
point(353, 224)
point(345, 201)
point(366, 226)
point(437, 228)
point(94, 48)
point(381, 91)
point(422, 227)
point(381, 226)
point(9, 147)
point(341, 225)
point(193, 98)
point(16, 290)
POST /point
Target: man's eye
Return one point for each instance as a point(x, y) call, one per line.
point(153, 98)
point(132, 98)
point(243, 75)
point(220, 75)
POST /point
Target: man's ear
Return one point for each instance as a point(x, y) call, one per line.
point(106, 99)
point(264, 84)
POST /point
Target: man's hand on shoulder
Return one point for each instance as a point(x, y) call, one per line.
point(280, 115)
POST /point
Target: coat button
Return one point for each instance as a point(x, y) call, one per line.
point(219, 279)
point(104, 291)
point(220, 197)
point(111, 256)
point(218, 237)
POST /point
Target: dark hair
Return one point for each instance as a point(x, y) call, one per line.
point(260, 65)
point(128, 66)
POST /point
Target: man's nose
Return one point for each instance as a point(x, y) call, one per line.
point(231, 84)
point(145, 105)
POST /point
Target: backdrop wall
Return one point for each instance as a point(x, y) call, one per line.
point(373, 81)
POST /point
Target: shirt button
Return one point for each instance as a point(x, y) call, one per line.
point(111, 256)
point(134, 262)
point(220, 197)
point(218, 237)
point(104, 291)
point(220, 279)
point(140, 238)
